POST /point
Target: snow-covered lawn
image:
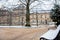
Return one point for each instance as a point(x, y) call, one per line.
point(23, 26)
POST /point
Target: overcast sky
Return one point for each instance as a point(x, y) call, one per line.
point(8, 3)
point(14, 3)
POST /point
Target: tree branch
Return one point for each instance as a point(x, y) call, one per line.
point(22, 2)
point(26, 1)
point(34, 6)
point(37, 4)
point(32, 2)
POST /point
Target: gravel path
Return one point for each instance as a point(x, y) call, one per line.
point(21, 33)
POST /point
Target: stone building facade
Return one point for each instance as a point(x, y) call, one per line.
point(40, 18)
point(17, 18)
point(4, 17)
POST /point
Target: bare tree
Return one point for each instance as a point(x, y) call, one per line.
point(27, 4)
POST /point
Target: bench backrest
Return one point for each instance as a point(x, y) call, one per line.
point(58, 27)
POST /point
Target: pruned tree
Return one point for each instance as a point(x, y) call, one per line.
point(27, 4)
point(55, 14)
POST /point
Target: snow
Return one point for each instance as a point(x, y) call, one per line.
point(58, 27)
point(12, 26)
point(17, 27)
point(51, 34)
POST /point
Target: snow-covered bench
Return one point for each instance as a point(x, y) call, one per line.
point(58, 27)
point(51, 34)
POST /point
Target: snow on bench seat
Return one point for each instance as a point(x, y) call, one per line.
point(58, 27)
point(51, 34)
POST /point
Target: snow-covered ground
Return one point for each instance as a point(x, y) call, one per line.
point(17, 27)
point(27, 27)
point(24, 26)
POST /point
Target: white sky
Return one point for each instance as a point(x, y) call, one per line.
point(8, 3)
point(46, 5)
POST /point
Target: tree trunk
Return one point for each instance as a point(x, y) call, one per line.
point(27, 15)
point(10, 19)
point(36, 18)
